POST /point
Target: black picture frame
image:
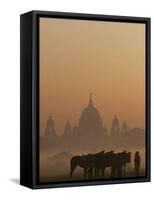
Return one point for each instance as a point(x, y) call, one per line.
point(29, 97)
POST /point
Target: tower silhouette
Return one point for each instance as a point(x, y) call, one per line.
point(75, 130)
point(115, 128)
point(67, 129)
point(50, 130)
point(90, 100)
point(124, 127)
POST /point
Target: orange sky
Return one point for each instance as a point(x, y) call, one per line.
point(78, 57)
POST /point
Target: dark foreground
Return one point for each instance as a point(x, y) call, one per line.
point(79, 177)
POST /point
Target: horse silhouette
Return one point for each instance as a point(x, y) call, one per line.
point(87, 162)
point(106, 160)
point(96, 161)
point(119, 163)
point(126, 159)
point(94, 165)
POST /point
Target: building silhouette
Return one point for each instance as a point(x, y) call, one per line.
point(105, 130)
point(115, 128)
point(75, 130)
point(50, 131)
point(124, 127)
point(90, 122)
point(67, 129)
point(91, 133)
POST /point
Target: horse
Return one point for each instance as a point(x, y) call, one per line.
point(91, 163)
point(99, 161)
point(95, 163)
point(119, 164)
point(126, 159)
point(87, 162)
point(105, 161)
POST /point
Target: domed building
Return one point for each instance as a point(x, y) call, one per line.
point(90, 122)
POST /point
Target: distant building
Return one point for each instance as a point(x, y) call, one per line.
point(75, 130)
point(50, 130)
point(67, 129)
point(105, 130)
point(90, 122)
point(115, 128)
point(124, 127)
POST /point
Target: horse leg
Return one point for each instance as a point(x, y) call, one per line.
point(103, 172)
point(88, 172)
point(92, 172)
point(73, 166)
point(120, 171)
point(95, 172)
point(99, 172)
point(124, 169)
point(113, 171)
point(85, 172)
point(118, 174)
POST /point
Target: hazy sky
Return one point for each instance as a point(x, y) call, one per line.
point(105, 58)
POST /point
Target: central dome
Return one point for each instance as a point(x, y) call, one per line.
point(90, 122)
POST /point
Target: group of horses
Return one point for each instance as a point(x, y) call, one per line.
point(94, 165)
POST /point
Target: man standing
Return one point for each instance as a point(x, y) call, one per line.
point(137, 161)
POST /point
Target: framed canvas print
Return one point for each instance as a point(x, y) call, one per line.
point(85, 99)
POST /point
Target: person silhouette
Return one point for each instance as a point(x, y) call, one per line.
point(137, 161)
